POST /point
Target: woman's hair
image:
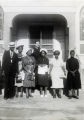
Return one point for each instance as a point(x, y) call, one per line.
point(72, 51)
point(56, 52)
point(43, 51)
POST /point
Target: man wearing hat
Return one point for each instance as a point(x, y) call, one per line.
point(9, 69)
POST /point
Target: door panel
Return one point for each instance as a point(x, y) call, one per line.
point(60, 36)
point(43, 34)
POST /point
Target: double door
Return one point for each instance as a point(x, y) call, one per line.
point(43, 34)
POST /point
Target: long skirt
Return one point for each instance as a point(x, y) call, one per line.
point(73, 82)
point(29, 81)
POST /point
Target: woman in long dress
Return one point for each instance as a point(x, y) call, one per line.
point(28, 67)
point(57, 74)
point(19, 78)
point(43, 65)
point(73, 75)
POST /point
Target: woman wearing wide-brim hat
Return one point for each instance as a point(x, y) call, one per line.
point(43, 65)
point(29, 67)
point(20, 75)
point(57, 73)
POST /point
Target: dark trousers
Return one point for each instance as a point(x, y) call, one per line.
point(9, 90)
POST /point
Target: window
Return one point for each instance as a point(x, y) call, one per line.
point(1, 33)
point(1, 23)
point(43, 34)
point(82, 31)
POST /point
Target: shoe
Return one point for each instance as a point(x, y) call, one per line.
point(30, 96)
point(45, 95)
point(6, 98)
point(70, 97)
point(59, 96)
point(11, 98)
point(54, 96)
point(21, 95)
point(76, 97)
point(16, 95)
point(41, 95)
point(27, 96)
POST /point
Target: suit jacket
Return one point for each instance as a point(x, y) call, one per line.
point(10, 68)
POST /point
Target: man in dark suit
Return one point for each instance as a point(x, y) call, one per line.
point(9, 69)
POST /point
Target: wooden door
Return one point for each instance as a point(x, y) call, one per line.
point(62, 37)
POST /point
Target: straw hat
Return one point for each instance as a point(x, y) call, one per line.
point(11, 44)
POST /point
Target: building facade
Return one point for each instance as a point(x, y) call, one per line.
point(50, 22)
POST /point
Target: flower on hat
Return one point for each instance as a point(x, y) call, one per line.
point(18, 44)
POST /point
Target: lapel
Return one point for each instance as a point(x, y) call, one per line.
point(11, 59)
point(9, 54)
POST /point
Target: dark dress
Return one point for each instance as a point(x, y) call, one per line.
point(10, 68)
point(43, 78)
point(73, 81)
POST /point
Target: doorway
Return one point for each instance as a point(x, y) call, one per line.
point(42, 28)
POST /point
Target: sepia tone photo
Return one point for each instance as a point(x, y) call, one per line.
point(41, 59)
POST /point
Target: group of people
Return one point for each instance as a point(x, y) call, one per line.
point(35, 70)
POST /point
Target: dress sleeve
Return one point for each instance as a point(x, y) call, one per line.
point(3, 60)
point(23, 63)
point(77, 64)
point(51, 62)
point(48, 62)
point(67, 65)
point(62, 63)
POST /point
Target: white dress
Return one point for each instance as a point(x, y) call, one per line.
point(57, 73)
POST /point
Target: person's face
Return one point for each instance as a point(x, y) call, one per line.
point(20, 49)
point(43, 53)
point(37, 45)
point(56, 56)
point(29, 52)
point(72, 54)
point(12, 48)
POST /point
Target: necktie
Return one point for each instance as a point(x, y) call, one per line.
point(11, 55)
